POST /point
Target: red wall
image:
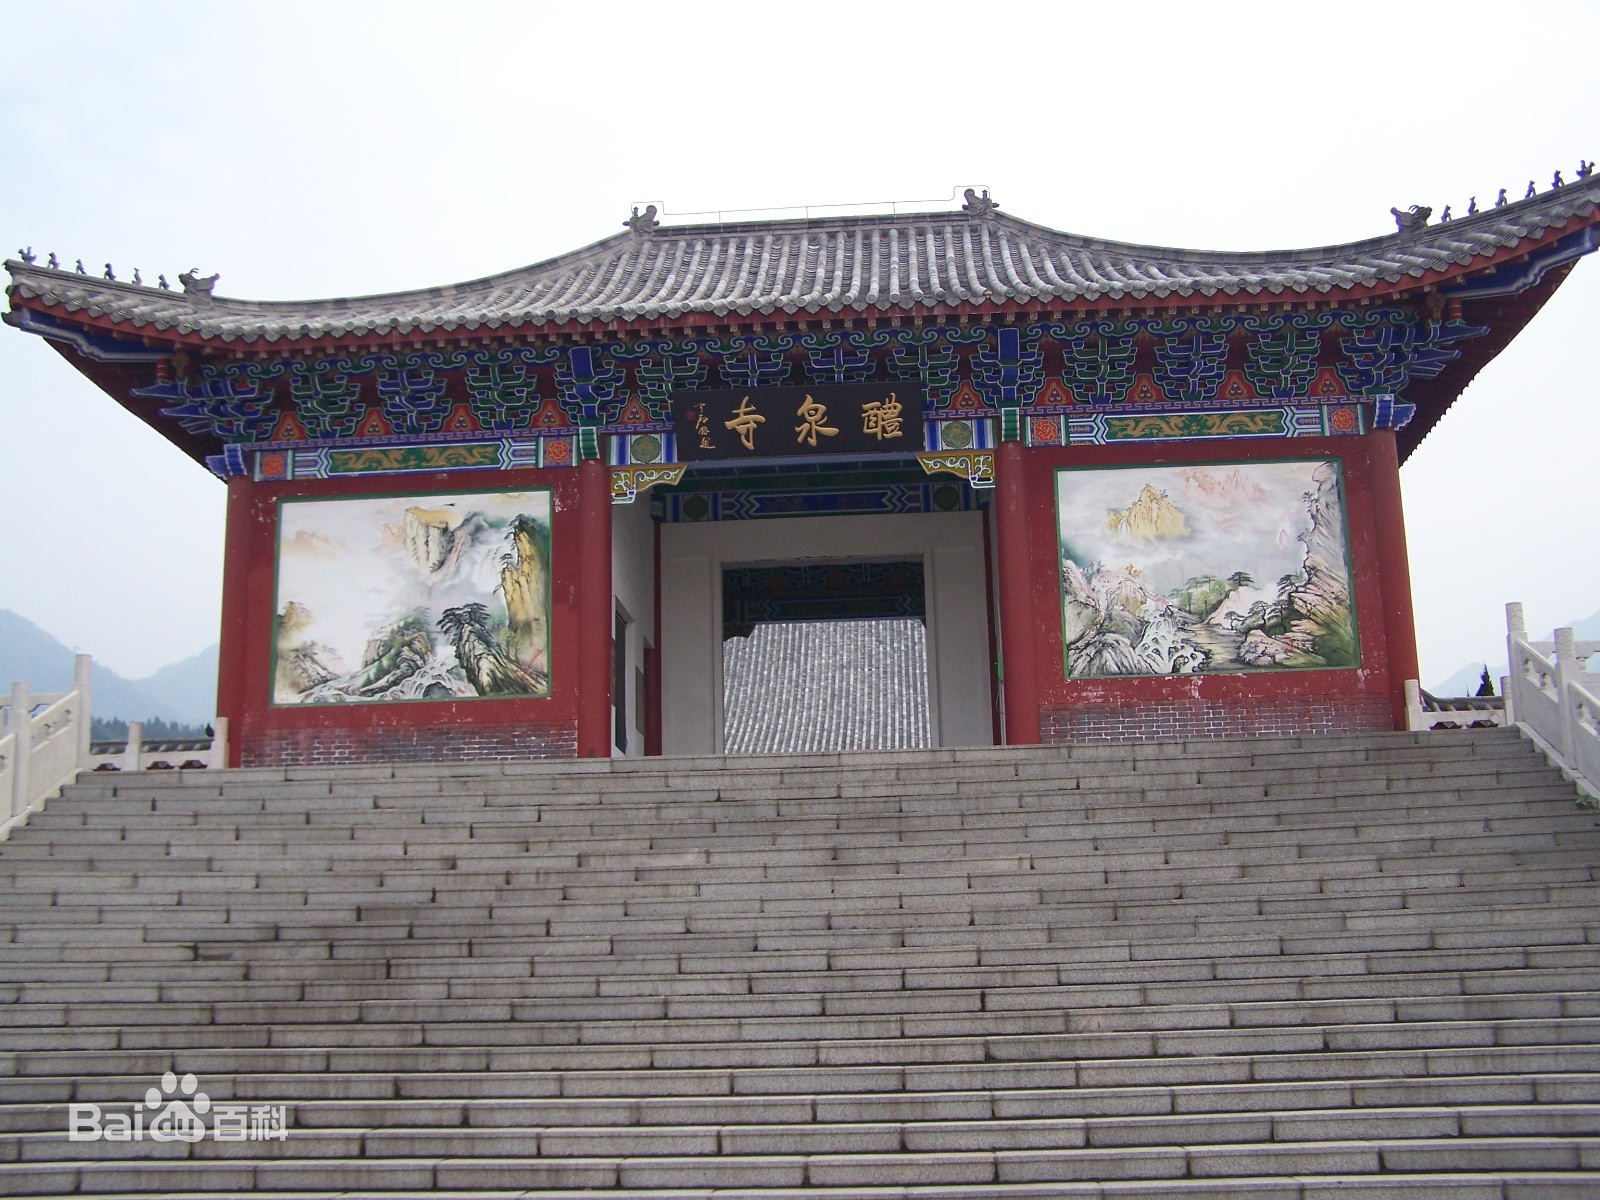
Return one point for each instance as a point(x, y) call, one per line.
point(1253, 703)
point(415, 730)
point(1268, 702)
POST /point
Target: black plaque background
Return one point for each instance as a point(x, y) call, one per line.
point(778, 436)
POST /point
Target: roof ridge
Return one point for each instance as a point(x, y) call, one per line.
point(937, 258)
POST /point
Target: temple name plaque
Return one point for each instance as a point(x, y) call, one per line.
point(783, 422)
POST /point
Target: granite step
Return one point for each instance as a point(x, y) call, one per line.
point(1307, 967)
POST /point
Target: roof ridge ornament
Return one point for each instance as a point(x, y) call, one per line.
point(28, 256)
point(979, 208)
point(195, 285)
point(643, 223)
point(1414, 217)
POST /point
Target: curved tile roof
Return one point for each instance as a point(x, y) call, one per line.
point(797, 687)
point(836, 266)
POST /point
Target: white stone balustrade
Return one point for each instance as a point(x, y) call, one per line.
point(42, 750)
point(1553, 698)
point(137, 754)
point(1424, 711)
point(44, 743)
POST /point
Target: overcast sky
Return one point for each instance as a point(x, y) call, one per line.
point(316, 149)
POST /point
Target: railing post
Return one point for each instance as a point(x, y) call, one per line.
point(81, 667)
point(133, 752)
point(1516, 631)
point(1415, 718)
point(219, 743)
point(1566, 664)
point(1505, 699)
point(21, 747)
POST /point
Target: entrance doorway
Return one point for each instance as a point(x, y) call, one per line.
point(696, 562)
point(822, 656)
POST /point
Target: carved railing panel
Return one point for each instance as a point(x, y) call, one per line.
point(1583, 712)
point(1553, 698)
point(53, 759)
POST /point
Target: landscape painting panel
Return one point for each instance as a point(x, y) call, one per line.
point(394, 598)
point(1179, 570)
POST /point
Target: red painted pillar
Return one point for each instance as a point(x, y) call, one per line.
point(1394, 568)
point(1017, 650)
point(594, 609)
point(238, 615)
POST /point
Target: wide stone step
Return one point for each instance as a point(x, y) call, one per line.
point(506, 1130)
point(1577, 1185)
point(941, 1063)
point(866, 977)
point(1290, 794)
point(322, 845)
point(1079, 1117)
point(657, 928)
point(973, 1009)
point(1443, 1156)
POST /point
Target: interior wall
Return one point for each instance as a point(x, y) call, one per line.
point(633, 588)
point(997, 706)
point(951, 548)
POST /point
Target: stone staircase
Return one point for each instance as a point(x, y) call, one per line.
point(1321, 967)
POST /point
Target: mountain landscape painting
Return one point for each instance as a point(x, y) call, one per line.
point(413, 598)
point(1192, 569)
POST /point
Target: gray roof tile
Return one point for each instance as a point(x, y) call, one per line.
point(799, 687)
point(843, 265)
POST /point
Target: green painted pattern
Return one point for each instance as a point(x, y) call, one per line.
point(380, 460)
point(1155, 426)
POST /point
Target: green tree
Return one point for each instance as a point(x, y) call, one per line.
point(478, 651)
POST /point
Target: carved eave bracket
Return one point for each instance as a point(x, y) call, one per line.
point(628, 482)
point(975, 466)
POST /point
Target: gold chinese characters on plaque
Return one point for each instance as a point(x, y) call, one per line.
point(785, 422)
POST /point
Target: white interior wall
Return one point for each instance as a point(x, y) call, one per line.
point(993, 584)
point(633, 589)
point(950, 546)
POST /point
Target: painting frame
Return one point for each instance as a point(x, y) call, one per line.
point(533, 682)
point(1287, 650)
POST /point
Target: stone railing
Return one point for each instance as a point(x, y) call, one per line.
point(1427, 711)
point(161, 754)
point(44, 743)
point(1554, 699)
point(42, 751)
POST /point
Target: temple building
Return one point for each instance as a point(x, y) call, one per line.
point(1121, 491)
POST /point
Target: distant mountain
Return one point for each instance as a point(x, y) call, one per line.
point(1588, 629)
point(185, 691)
